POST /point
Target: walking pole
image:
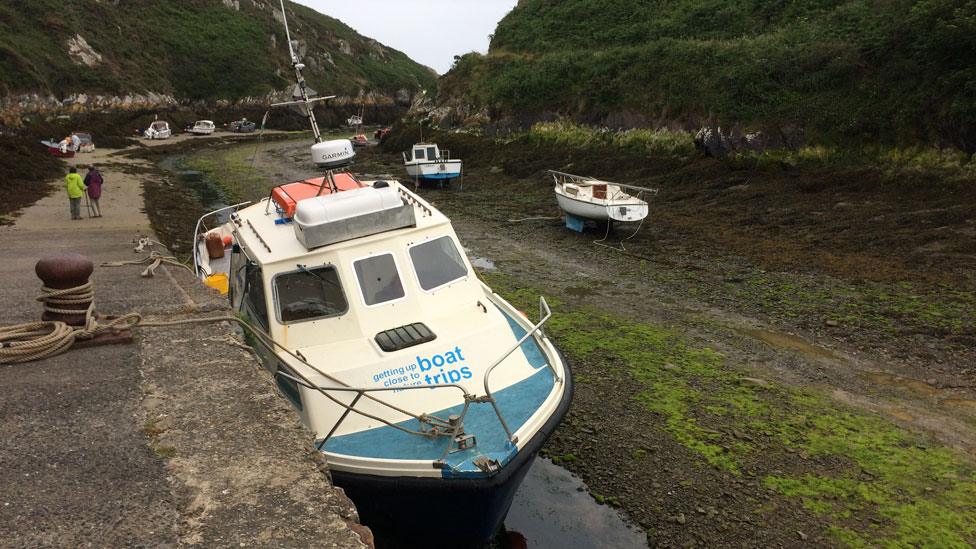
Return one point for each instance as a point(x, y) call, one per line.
point(88, 204)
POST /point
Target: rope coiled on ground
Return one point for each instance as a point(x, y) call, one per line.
point(36, 340)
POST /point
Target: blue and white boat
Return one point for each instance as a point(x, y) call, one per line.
point(428, 394)
point(427, 162)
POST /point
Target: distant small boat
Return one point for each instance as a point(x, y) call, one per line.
point(359, 140)
point(354, 121)
point(84, 142)
point(426, 161)
point(202, 127)
point(58, 149)
point(242, 126)
point(590, 198)
point(159, 129)
point(67, 147)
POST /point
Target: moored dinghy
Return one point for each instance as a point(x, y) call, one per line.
point(428, 394)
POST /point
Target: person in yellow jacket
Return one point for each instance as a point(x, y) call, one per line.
point(76, 189)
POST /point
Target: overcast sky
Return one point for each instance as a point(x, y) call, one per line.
point(431, 32)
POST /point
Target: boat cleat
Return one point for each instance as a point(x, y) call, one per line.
point(487, 464)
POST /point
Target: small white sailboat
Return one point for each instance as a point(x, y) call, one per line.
point(159, 129)
point(590, 198)
point(426, 161)
point(355, 121)
point(428, 394)
point(203, 127)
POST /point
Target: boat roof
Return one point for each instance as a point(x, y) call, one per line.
point(270, 240)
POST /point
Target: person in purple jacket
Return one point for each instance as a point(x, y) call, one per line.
point(94, 182)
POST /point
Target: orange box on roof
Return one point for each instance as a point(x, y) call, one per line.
point(287, 196)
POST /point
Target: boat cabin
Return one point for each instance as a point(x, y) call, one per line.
point(362, 271)
point(203, 127)
point(425, 152)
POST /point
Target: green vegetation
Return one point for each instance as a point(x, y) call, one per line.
point(564, 133)
point(875, 483)
point(231, 169)
point(165, 452)
point(193, 49)
point(897, 72)
point(888, 308)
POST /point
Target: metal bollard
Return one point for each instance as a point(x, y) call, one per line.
point(61, 272)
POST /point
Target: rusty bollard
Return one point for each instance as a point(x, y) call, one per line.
point(63, 271)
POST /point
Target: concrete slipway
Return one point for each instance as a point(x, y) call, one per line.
point(176, 439)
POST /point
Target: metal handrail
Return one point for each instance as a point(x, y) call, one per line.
point(196, 233)
point(545, 312)
point(587, 180)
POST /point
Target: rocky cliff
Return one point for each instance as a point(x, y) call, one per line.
point(86, 55)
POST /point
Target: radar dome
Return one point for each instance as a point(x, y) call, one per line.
point(333, 154)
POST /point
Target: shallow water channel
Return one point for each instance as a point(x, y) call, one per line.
point(553, 507)
point(207, 193)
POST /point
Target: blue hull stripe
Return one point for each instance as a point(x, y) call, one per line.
point(517, 404)
point(441, 176)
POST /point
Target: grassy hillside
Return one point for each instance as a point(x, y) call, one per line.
point(193, 49)
point(894, 70)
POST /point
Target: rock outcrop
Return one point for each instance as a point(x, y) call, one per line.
point(81, 53)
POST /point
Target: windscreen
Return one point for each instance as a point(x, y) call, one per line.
point(437, 263)
point(310, 294)
point(379, 279)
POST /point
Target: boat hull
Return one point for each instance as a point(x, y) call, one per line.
point(406, 512)
point(435, 171)
point(55, 151)
point(622, 212)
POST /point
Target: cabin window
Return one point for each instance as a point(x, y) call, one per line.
point(379, 279)
point(437, 262)
point(254, 297)
point(308, 294)
point(431, 153)
point(418, 154)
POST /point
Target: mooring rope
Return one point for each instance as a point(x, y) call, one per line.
point(154, 260)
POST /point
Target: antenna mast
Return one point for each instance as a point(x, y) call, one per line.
point(302, 87)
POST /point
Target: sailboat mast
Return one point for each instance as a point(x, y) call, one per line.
point(302, 88)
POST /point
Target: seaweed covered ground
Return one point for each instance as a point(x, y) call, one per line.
point(779, 356)
point(26, 171)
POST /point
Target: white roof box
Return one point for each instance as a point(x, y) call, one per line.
point(345, 215)
point(333, 154)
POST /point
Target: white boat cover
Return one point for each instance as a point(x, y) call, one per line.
point(344, 215)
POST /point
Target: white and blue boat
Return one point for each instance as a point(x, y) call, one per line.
point(427, 162)
point(428, 394)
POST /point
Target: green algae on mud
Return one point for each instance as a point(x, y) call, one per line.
point(871, 481)
point(232, 171)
